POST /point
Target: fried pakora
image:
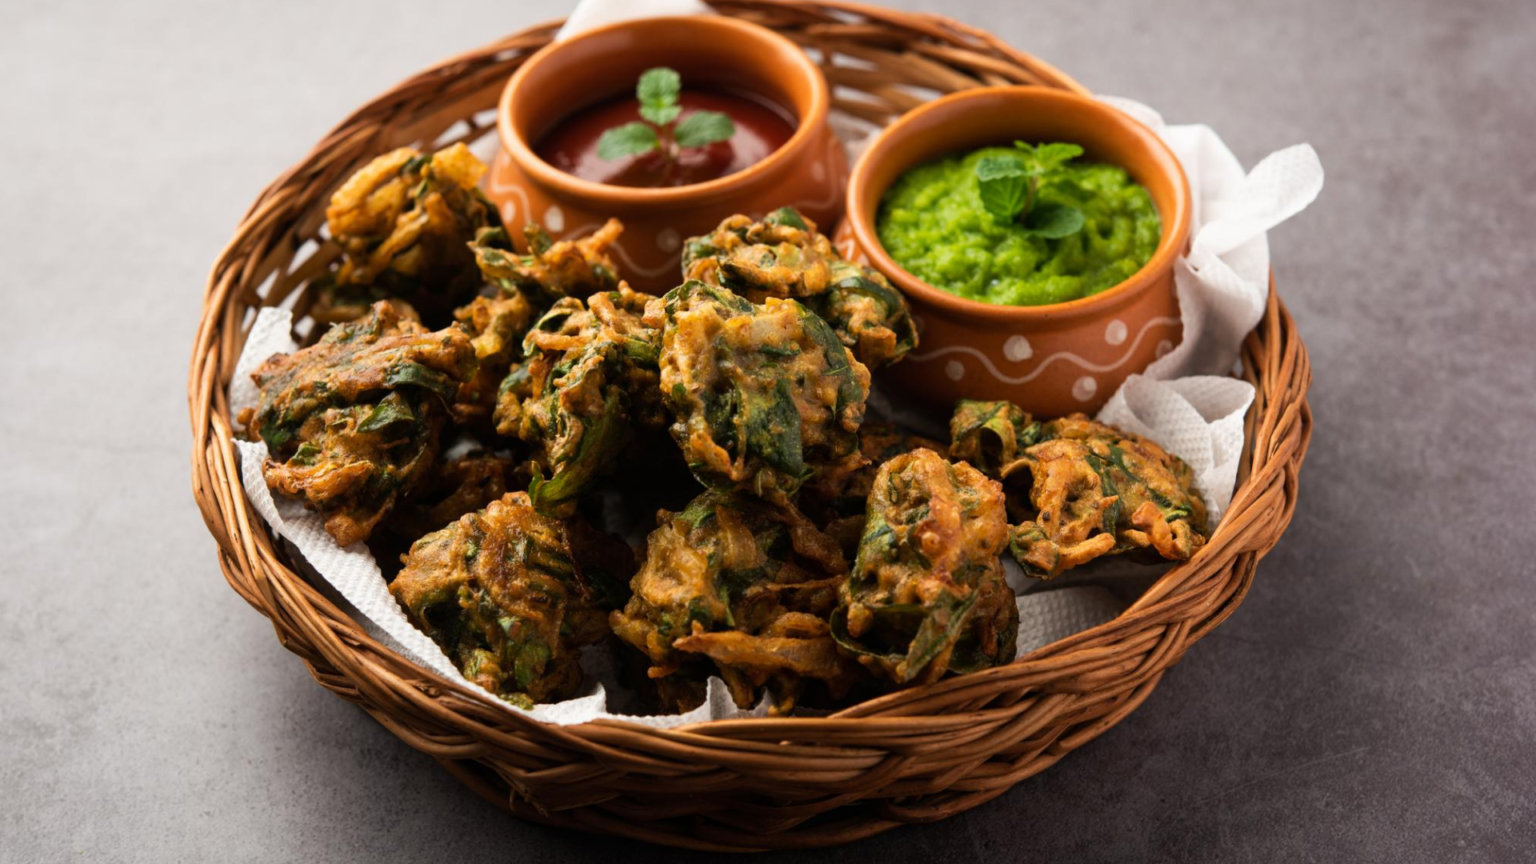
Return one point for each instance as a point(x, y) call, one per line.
point(741, 587)
point(784, 256)
point(868, 313)
point(837, 503)
point(453, 488)
point(496, 326)
point(352, 423)
point(501, 592)
point(589, 381)
point(927, 594)
point(551, 270)
point(763, 396)
point(524, 286)
point(990, 435)
point(1098, 491)
point(404, 222)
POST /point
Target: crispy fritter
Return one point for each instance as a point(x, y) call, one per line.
point(352, 423)
point(500, 592)
point(868, 313)
point(927, 593)
point(496, 326)
point(837, 503)
point(551, 270)
point(990, 435)
point(453, 488)
point(1098, 491)
point(403, 222)
point(742, 587)
point(784, 256)
point(588, 383)
point(764, 397)
point(781, 256)
point(525, 286)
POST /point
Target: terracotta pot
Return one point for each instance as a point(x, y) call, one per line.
point(808, 171)
point(1050, 360)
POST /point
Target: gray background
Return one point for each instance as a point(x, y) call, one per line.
point(1373, 700)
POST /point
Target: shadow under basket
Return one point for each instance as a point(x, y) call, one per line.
point(734, 785)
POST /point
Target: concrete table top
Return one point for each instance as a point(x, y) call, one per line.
point(1373, 700)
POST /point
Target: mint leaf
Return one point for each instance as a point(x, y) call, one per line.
point(631, 139)
point(1058, 153)
point(1053, 221)
point(1003, 185)
point(703, 128)
point(657, 92)
point(661, 115)
point(1046, 157)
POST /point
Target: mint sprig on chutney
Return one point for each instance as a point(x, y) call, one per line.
point(659, 130)
point(1010, 187)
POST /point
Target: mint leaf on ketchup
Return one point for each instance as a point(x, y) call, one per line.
point(657, 92)
point(702, 128)
point(631, 139)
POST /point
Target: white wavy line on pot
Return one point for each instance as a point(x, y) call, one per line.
point(1038, 370)
point(618, 248)
point(803, 205)
point(513, 189)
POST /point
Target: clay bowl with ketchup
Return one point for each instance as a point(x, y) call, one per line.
point(1050, 360)
point(556, 106)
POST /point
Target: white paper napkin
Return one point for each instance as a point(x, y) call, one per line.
point(1185, 400)
point(1046, 616)
point(589, 14)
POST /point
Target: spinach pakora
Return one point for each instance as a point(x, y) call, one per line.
point(522, 287)
point(404, 222)
point(1096, 491)
point(588, 383)
point(763, 396)
point(550, 269)
point(741, 587)
point(837, 503)
point(927, 594)
point(496, 325)
point(453, 488)
point(352, 423)
point(990, 435)
point(501, 592)
point(784, 256)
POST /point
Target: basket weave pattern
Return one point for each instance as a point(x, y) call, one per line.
point(912, 756)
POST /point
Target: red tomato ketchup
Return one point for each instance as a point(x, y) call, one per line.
point(761, 128)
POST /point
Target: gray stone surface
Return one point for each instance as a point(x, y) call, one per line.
point(1373, 700)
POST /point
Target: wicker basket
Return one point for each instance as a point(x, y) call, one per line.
point(913, 756)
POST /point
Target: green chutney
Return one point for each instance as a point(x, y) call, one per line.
point(932, 222)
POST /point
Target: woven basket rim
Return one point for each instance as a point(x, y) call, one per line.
point(1112, 667)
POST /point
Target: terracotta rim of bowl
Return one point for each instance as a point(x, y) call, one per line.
point(797, 62)
point(1170, 244)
